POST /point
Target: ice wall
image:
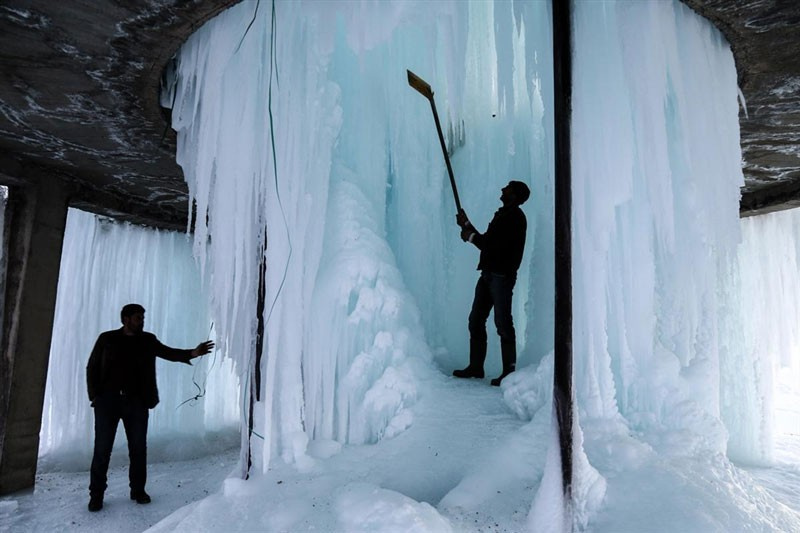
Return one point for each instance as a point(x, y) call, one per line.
point(296, 126)
point(760, 400)
point(104, 266)
point(656, 177)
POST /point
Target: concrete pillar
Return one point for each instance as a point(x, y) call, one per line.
point(36, 219)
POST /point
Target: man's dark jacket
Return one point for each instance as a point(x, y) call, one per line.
point(503, 243)
point(127, 364)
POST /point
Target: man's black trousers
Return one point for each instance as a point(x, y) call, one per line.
point(492, 291)
point(109, 409)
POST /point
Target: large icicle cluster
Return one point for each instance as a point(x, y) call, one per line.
point(297, 127)
point(656, 176)
point(104, 266)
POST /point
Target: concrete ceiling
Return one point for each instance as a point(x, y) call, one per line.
point(79, 83)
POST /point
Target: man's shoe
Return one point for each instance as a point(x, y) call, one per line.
point(140, 497)
point(499, 379)
point(95, 503)
point(468, 372)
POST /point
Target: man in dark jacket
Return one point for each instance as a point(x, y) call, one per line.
point(501, 254)
point(121, 380)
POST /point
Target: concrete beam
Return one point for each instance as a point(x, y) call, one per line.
point(35, 221)
point(79, 92)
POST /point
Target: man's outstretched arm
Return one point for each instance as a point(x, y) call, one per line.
point(184, 356)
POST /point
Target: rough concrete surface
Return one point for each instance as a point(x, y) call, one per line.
point(79, 82)
point(79, 86)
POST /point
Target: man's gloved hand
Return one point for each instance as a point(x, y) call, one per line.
point(462, 220)
point(465, 233)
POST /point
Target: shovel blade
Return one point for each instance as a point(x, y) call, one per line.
point(419, 85)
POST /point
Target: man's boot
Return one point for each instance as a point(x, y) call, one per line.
point(509, 353)
point(95, 501)
point(140, 496)
point(477, 355)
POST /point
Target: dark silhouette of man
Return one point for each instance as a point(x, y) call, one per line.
point(501, 254)
point(121, 380)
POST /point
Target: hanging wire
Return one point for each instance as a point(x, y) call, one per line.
point(201, 391)
point(273, 66)
point(273, 69)
point(252, 20)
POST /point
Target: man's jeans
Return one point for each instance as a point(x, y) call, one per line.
point(109, 408)
point(492, 290)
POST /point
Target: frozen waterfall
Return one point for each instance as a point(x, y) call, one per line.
point(326, 147)
point(106, 265)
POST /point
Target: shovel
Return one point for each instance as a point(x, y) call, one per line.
point(424, 89)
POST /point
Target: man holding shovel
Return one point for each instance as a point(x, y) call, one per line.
point(501, 249)
point(501, 254)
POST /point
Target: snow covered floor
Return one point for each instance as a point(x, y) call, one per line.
point(460, 446)
point(783, 480)
point(59, 500)
point(465, 450)
point(466, 464)
point(649, 492)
